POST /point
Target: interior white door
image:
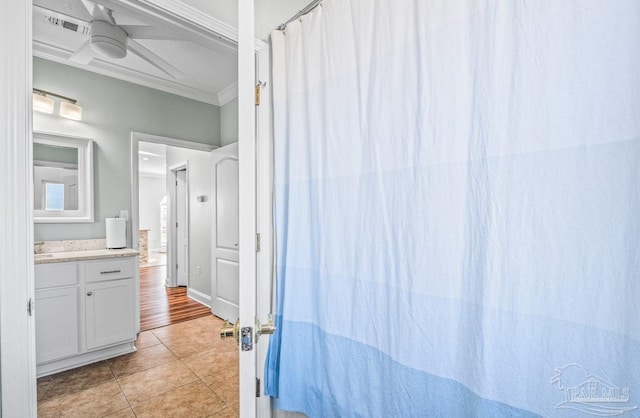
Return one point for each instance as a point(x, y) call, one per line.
point(70, 192)
point(182, 229)
point(224, 266)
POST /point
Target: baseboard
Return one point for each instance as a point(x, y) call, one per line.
point(199, 297)
point(78, 360)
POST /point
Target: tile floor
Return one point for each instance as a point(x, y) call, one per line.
point(183, 369)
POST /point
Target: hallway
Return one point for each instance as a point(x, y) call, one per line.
point(161, 305)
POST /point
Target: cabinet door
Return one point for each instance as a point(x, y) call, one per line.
point(109, 312)
point(56, 314)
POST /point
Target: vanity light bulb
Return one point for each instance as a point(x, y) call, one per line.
point(42, 103)
point(70, 111)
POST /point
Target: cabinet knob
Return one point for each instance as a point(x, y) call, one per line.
point(89, 293)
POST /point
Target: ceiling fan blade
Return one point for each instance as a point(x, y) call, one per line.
point(153, 59)
point(84, 54)
point(147, 32)
point(88, 5)
point(102, 13)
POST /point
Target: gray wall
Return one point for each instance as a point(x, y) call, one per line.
point(200, 184)
point(111, 110)
point(229, 122)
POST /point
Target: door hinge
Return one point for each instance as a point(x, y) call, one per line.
point(30, 307)
point(257, 243)
point(259, 87)
point(176, 266)
point(176, 224)
point(257, 387)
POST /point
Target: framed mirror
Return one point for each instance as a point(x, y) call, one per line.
point(62, 178)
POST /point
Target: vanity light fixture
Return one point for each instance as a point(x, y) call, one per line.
point(68, 107)
point(70, 111)
point(41, 102)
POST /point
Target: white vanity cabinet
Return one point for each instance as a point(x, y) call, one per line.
point(109, 302)
point(85, 311)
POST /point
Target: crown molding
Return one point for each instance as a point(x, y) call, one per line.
point(228, 93)
point(190, 17)
point(99, 66)
point(195, 27)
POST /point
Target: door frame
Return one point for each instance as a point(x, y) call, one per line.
point(17, 327)
point(172, 218)
point(254, 154)
point(17, 331)
point(136, 138)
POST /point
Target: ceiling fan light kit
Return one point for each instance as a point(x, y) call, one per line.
point(107, 39)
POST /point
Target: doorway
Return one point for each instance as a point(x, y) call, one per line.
point(20, 347)
point(179, 244)
point(152, 205)
point(178, 223)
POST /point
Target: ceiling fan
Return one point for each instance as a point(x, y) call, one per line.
point(111, 40)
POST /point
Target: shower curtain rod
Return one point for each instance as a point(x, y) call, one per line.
point(309, 7)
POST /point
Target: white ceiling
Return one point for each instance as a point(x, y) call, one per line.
point(152, 159)
point(269, 14)
point(209, 66)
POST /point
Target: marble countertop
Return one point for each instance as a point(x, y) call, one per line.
point(95, 254)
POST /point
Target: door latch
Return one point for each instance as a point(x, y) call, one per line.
point(246, 339)
point(244, 335)
point(268, 328)
point(230, 330)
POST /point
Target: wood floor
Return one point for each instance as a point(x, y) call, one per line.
point(160, 305)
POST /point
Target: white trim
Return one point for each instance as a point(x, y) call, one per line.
point(181, 12)
point(247, 199)
point(264, 192)
point(135, 221)
point(112, 69)
point(227, 94)
point(172, 242)
point(172, 279)
point(199, 297)
point(174, 142)
point(17, 328)
point(85, 211)
point(85, 358)
point(54, 164)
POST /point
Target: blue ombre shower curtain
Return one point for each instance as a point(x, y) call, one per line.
point(457, 205)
